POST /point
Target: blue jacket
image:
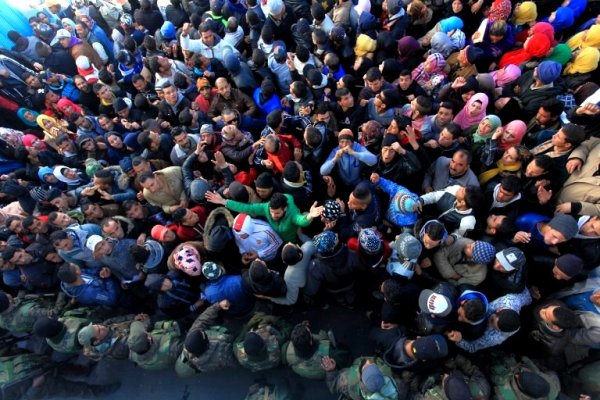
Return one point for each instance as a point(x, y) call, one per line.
point(80, 254)
point(528, 223)
point(349, 167)
point(229, 287)
point(271, 104)
point(394, 215)
point(94, 291)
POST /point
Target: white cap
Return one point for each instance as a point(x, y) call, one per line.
point(93, 241)
point(274, 7)
point(82, 62)
point(63, 33)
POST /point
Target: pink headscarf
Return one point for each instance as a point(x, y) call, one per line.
point(30, 140)
point(545, 29)
point(62, 105)
point(510, 73)
point(464, 119)
point(438, 63)
point(187, 259)
point(519, 129)
point(500, 10)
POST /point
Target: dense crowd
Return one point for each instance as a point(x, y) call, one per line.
point(181, 180)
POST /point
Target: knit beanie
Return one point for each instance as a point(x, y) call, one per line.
point(565, 224)
point(474, 54)
point(253, 344)
point(483, 252)
point(196, 342)
point(331, 210)
point(569, 264)
point(167, 30)
point(548, 71)
point(325, 242)
point(456, 388)
point(369, 241)
point(232, 63)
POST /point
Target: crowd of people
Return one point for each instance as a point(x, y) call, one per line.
point(183, 180)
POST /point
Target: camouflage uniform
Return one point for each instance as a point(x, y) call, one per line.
point(274, 331)
point(219, 354)
point(502, 375)
point(165, 348)
point(266, 391)
point(347, 382)
point(114, 344)
point(20, 316)
point(73, 320)
point(311, 368)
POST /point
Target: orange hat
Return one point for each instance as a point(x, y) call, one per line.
point(159, 232)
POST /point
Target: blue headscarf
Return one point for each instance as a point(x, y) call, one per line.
point(21, 114)
point(578, 7)
point(451, 24)
point(564, 18)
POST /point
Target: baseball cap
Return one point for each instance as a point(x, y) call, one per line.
point(434, 303)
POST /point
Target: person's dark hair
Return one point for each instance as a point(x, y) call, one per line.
point(508, 320)
point(301, 338)
point(511, 184)
point(424, 105)
point(129, 44)
point(498, 28)
point(302, 54)
point(507, 227)
point(313, 137)
point(266, 34)
point(392, 291)
point(574, 134)
point(278, 201)
point(185, 117)
point(149, 43)
point(332, 61)
point(406, 72)
point(362, 193)
point(206, 26)
point(565, 318)
point(105, 76)
point(10, 220)
point(465, 153)
point(543, 161)
point(28, 221)
point(373, 74)
point(453, 129)
point(8, 253)
point(299, 89)
point(180, 81)
point(341, 92)
point(447, 105)
point(291, 254)
point(320, 36)
point(291, 171)
point(52, 217)
point(105, 176)
point(435, 230)
point(139, 253)
point(390, 98)
point(554, 106)
point(144, 176)
point(60, 139)
point(274, 118)
point(179, 214)
point(57, 235)
point(153, 62)
point(66, 273)
point(473, 196)
point(178, 130)
point(138, 160)
point(128, 204)
point(474, 309)
point(144, 139)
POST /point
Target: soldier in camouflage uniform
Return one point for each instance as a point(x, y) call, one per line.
point(108, 339)
point(157, 349)
point(61, 334)
point(258, 346)
point(522, 380)
point(366, 378)
point(18, 314)
point(207, 347)
point(305, 350)
point(32, 376)
point(268, 391)
point(459, 368)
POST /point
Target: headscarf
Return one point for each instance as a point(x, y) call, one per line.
point(33, 141)
point(408, 47)
point(69, 22)
point(73, 42)
point(510, 73)
point(519, 128)
point(578, 7)
point(364, 45)
point(421, 76)
point(545, 29)
point(441, 43)
point(495, 121)
point(500, 10)
point(62, 105)
point(537, 45)
point(592, 39)
point(561, 54)
point(451, 24)
point(563, 19)
point(526, 13)
point(586, 61)
point(464, 119)
point(21, 114)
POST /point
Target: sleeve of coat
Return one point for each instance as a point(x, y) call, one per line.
point(440, 259)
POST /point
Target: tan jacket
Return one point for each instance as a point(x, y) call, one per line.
point(172, 192)
point(582, 186)
point(448, 262)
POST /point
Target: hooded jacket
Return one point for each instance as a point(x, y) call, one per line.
point(336, 271)
point(94, 291)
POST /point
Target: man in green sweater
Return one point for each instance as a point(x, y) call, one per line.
point(281, 213)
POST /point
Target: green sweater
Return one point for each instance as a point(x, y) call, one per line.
point(286, 227)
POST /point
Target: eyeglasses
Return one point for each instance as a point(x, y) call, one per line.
point(231, 121)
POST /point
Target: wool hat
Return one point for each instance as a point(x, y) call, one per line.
point(511, 258)
point(196, 342)
point(372, 378)
point(474, 54)
point(4, 302)
point(434, 303)
point(548, 71)
point(159, 232)
point(370, 241)
point(338, 34)
point(346, 134)
point(207, 128)
point(232, 63)
point(569, 264)
point(565, 224)
point(85, 335)
point(408, 247)
point(331, 210)
point(47, 328)
point(264, 181)
point(325, 242)
point(91, 166)
point(483, 252)
point(253, 344)
point(126, 164)
point(62, 34)
point(211, 270)
point(167, 30)
point(432, 347)
point(273, 7)
point(389, 140)
point(187, 259)
point(532, 384)
point(154, 282)
point(43, 171)
point(407, 203)
point(38, 193)
point(456, 388)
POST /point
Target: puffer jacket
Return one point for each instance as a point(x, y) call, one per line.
point(94, 291)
